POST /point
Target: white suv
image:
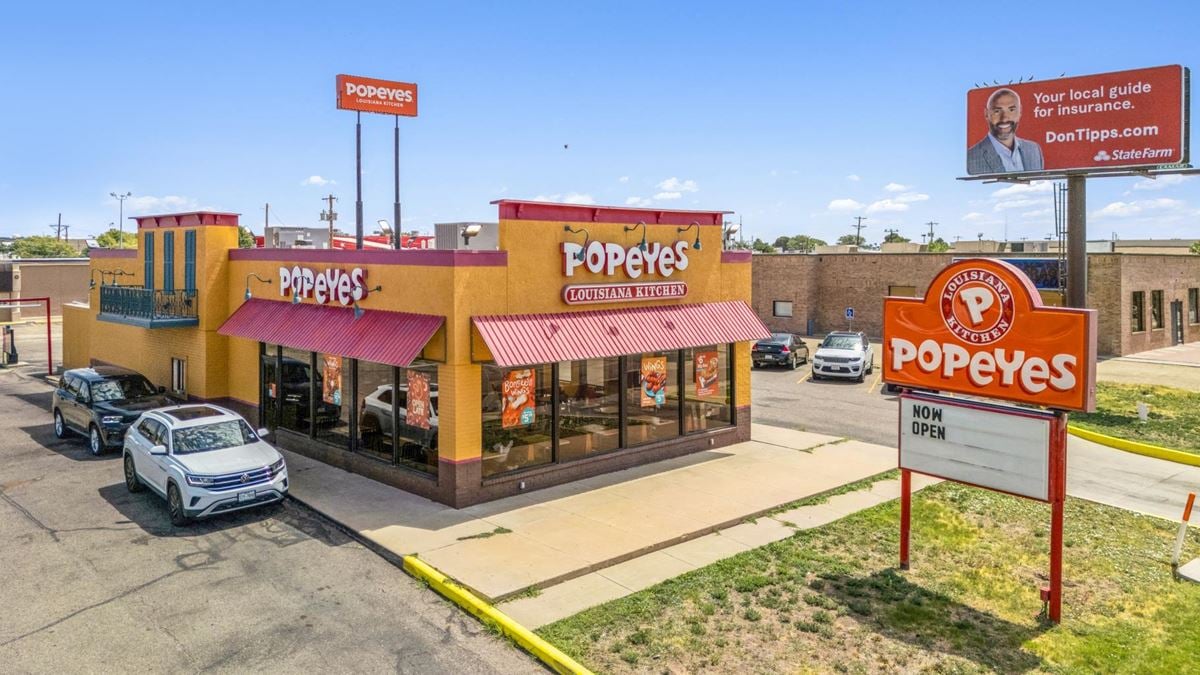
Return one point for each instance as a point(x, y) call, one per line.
point(203, 460)
point(846, 355)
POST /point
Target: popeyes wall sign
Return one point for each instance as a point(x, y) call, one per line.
point(606, 259)
point(982, 330)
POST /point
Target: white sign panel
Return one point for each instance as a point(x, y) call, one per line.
point(998, 447)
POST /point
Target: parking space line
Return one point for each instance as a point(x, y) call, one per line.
point(805, 377)
point(876, 382)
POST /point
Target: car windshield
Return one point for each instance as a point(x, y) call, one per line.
point(216, 436)
point(779, 337)
point(842, 342)
point(121, 388)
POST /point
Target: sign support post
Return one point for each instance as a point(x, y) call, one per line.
point(905, 515)
point(358, 218)
point(1058, 494)
point(396, 204)
point(1077, 240)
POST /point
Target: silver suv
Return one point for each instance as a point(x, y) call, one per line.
point(844, 355)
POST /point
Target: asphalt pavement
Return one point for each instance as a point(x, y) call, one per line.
point(94, 579)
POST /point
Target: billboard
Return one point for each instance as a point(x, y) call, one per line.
point(365, 94)
point(1131, 118)
point(981, 329)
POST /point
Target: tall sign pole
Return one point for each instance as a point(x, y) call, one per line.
point(1077, 240)
point(358, 216)
point(396, 203)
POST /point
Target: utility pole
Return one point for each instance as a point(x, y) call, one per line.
point(266, 219)
point(329, 215)
point(890, 230)
point(931, 224)
point(60, 231)
point(858, 227)
point(121, 219)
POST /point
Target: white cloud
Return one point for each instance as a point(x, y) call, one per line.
point(973, 216)
point(887, 206)
point(623, 179)
point(1138, 207)
point(673, 184)
point(909, 197)
point(1018, 204)
point(1021, 189)
point(844, 205)
point(663, 196)
point(896, 187)
point(318, 180)
point(569, 198)
point(854, 177)
point(1037, 213)
point(1161, 182)
point(638, 201)
point(167, 204)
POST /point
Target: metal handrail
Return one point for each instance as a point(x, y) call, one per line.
point(148, 303)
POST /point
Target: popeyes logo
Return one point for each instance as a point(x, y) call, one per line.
point(982, 330)
point(324, 287)
point(609, 258)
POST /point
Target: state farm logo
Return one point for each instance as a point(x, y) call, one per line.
point(977, 306)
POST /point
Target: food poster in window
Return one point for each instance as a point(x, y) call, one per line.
point(418, 410)
point(654, 381)
point(331, 372)
point(518, 398)
point(707, 368)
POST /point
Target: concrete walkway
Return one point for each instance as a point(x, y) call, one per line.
point(1128, 481)
point(546, 537)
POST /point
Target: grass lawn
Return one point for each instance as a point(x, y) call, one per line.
point(830, 598)
point(1174, 415)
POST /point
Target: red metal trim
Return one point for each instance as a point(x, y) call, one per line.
point(97, 253)
point(417, 257)
point(187, 219)
point(736, 256)
point(516, 209)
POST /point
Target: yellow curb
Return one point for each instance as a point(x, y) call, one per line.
point(1136, 447)
point(527, 639)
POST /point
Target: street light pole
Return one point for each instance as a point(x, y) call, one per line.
point(121, 220)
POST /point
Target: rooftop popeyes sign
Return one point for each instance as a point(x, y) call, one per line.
point(982, 330)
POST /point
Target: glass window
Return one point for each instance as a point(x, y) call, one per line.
point(269, 382)
point(706, 379)
point(335, 398)
point(782, 308)
point(1138, 321)
point(652, 397)
point(122, 388)
point(294, 374)
point(517, 418)
point(216, 436)
point(589, 407)
point(375, 435)
point(417, 407)
point(1194, 305)
point(1156, 310)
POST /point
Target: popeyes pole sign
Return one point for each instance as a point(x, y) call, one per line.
point(369, 95)
point(982, 330)
point(633, 262)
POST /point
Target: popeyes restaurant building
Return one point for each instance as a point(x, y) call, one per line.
point(592, 340)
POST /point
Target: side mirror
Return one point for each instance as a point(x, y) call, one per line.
point(158, 450)
point(263, 432)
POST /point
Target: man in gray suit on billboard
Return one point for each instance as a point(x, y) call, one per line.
point(1001, 151)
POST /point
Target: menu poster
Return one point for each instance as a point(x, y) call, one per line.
point(517, 398)
point(707, 367)
point(654, 381)
point(418, 410)
point(331, 373)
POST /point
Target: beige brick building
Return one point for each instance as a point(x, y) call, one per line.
point(1145, 301)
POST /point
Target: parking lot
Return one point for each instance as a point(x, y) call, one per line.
point(790, 398)
point(96, 579)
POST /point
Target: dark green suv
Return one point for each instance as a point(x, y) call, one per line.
point(101, 403)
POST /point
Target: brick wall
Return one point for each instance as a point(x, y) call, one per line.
point(1171, 274)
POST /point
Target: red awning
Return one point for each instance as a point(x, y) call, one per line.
point(527, 339)
point(392, 338)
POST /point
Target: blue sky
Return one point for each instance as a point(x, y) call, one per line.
point(796, 116)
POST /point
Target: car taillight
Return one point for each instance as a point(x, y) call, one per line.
point(754, 348)
point(785, 350)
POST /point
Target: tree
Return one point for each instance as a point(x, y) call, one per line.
point(781, 243)
point(851, 240)
point(895, 238)
point(115, 238)
point(245, 238)
point(42, 246)
point(939, 245)
point(761, 246)
point(803, 242)
point(1195, 247)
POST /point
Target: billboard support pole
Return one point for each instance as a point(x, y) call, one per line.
point(1058, 493)
point(1077, 240)
point(396, 204)
point(358, 217)
point(905, 515)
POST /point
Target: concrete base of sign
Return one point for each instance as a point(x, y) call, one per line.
point(1190, 571)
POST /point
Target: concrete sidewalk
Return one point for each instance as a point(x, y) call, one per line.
point(542, 538)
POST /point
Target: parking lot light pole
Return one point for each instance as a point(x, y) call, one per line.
point(121, 220)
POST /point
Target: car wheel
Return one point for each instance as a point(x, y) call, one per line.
point(795, 362)
point(179, 517)
point(131, 480)
point(95, 441)
point(60, 426)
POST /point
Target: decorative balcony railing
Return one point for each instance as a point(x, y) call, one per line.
point(148, 307)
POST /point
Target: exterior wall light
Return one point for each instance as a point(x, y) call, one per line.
point(641, 224)
point(586, 238)
point(92, 277)
point(359, 311)
point(252, 274)
point(681, 230)
point(469, 231)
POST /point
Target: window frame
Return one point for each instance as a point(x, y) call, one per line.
point(1193, 306)
point(1138, 314)
point(1156, 303)
point(775, 307)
